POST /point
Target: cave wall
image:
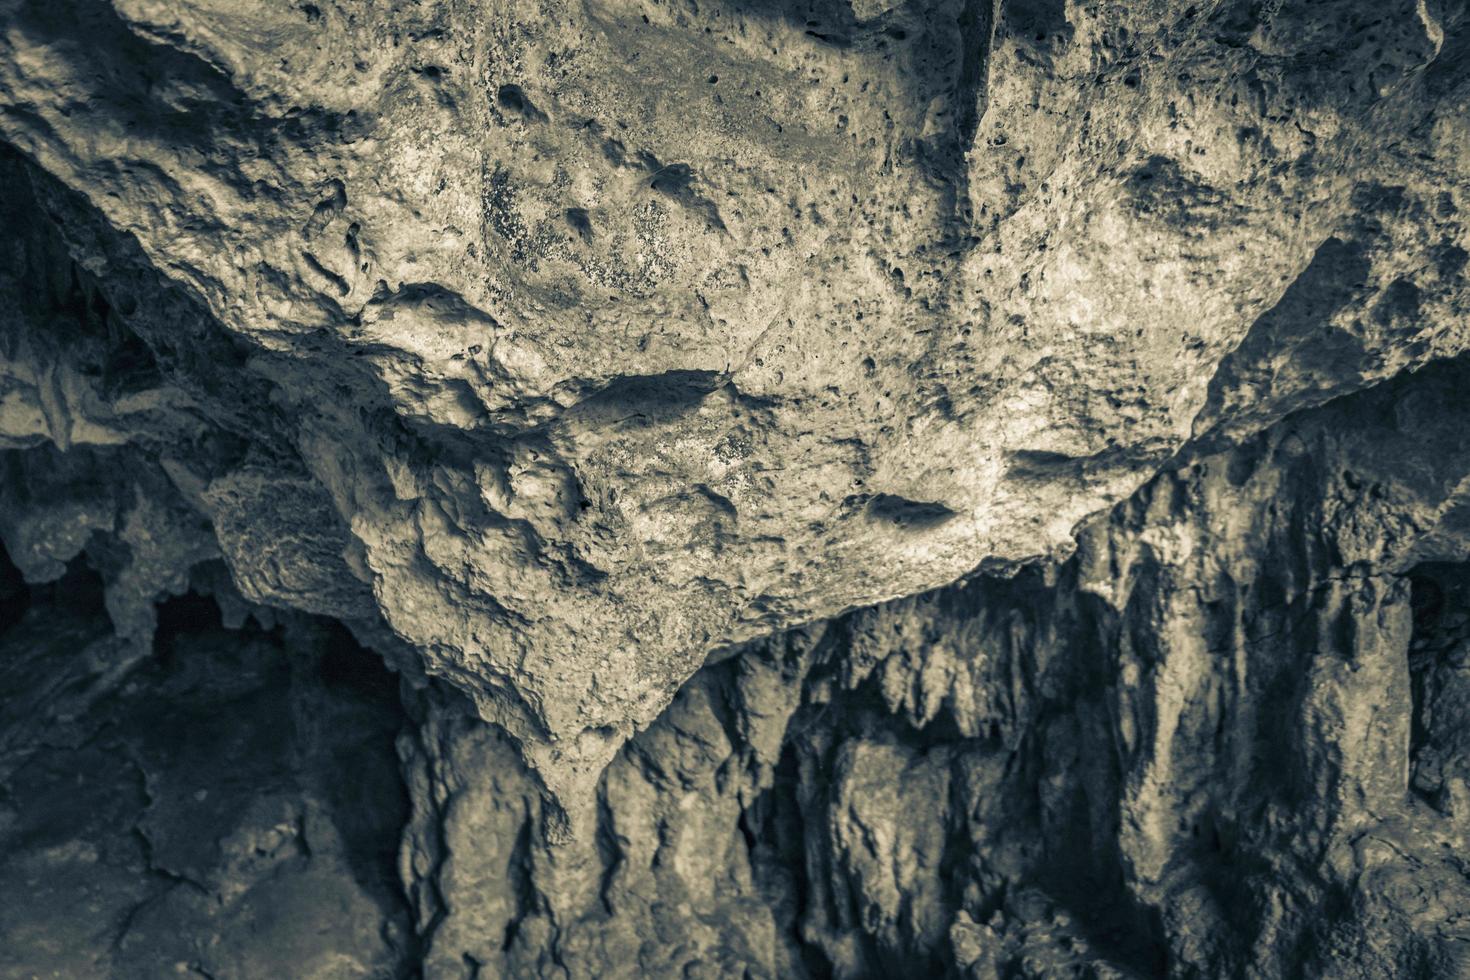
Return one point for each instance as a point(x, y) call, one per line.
point(565, 343)
point(1210, 744)
point(1225, 739)
point(594, 488)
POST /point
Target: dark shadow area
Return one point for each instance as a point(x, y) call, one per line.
point(232, 802)
point(1439, 679)
point(15, 595)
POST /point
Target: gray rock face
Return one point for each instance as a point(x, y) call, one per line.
point(1225, 739)
point(231, 810)
point(565, 343)
point(848, 488)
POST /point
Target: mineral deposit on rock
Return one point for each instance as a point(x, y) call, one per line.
point(813, 488)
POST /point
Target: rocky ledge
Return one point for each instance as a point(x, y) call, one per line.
point(834, 488)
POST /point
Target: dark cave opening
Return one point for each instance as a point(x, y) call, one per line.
point(15, 594)
point(180, 617)
point(1439, 679)
point(223, 780)
point(77, 593)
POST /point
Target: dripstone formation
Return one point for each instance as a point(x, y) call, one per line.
point(645, 488)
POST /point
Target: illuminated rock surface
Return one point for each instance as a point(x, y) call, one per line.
point(591, 363)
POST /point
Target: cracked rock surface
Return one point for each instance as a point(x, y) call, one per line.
point(559, 343)
point(838, 488)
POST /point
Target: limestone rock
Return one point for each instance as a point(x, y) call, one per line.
point(1225, 739)
point(595, 337)
point(845, 488)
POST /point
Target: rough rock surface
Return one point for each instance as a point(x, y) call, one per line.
point(1226, 739)
point(591, 362)
point(230, 810)
point(563, 343)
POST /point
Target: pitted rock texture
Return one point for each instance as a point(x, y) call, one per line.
point(1226, 739)
point(555, 344)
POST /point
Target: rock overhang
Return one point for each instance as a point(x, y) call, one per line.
point(557, 345)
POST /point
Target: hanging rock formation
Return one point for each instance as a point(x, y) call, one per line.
point(846, 488)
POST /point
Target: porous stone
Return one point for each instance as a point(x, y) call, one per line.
point(847, 488)
point(596, 337)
